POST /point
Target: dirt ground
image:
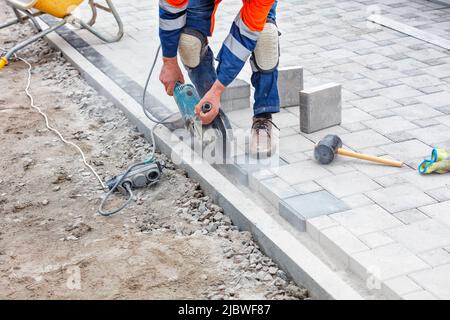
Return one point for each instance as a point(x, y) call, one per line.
point(172, 242)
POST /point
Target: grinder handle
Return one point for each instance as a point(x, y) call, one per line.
point(348, 153)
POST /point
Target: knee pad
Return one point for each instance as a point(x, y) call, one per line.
point(192, 47)
point(266, 55)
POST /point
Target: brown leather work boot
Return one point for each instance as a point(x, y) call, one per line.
point(264, 138)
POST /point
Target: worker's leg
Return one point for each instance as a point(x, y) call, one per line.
point(195, 53)
point(265, 69)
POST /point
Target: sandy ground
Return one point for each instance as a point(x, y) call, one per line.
point(172, 242)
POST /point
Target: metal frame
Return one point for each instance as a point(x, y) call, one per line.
point(29, 14)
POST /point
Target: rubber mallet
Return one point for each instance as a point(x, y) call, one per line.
point(330, 146)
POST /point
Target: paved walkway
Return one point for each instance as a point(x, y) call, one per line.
point(389, 226)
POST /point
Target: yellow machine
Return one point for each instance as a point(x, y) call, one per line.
point(28, 10)
point(57, 8)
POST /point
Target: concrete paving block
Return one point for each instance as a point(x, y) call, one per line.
point(419, 295)
point(376, 239)
point(440, 194)
point(432, 135)
point(238, 173)
point(290, 82)
point(422, 236)
point(398, 287)
point(436, 281)
point(424, 182)
point(375, 103)
point(424, 123)
point(300, 208)
point(254, 179)
point(294, 144)
point(390, 261)
point(365, 220)
point(357, 200)
point(435, 257)
point(284, 119)
point(435, 100)
point(364, 139)
point(353, 127)
point(399, 136)
point(301, 172)
point(314, 226)
point(400, 197)
point(235, 104)
point(307, 187)
point(341, 243)
point(320, 107)
point(351, 115)
point(399, 92)
point(347, 184)
point(417, 111)
point(295, 157)
point(375, 170)
point(410, 216)
point(319, 135)
point(407, 150)
point(236, 96)
point(390, 124)
point(274, 189)
point(438, 211)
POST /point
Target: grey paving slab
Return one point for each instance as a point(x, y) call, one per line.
point(410, 216)
point(290, 82)
point(390, 124)
point(422, 236)
point(376, 239)
point(364, 139)
point(439, 211)
point(347, 184)
point(351, 115)
point(400, 197)
point(399, 92)
point(375, 170)
point(435, 280)
point(440, 194)
point(414, 179)
point(432, 135)
point(274, 189)
point(390, 261)
point(366, 220)
point(301, 172)
point(320, 107)
point(435, 257)
point(293, 144)
point(357, 200)
point(341, 243)
point(438, 99)
point(300, 208)
point(406, 150)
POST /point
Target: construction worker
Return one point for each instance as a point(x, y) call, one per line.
point(184, 26)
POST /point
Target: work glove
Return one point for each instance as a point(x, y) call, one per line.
point(439, 162)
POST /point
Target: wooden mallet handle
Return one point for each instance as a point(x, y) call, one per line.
point(348, 153)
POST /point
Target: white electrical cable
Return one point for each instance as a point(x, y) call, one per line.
point(30, 96)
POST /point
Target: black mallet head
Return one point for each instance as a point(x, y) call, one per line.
point(325, 150)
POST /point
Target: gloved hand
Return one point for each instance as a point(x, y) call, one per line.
point(170, 74)
point(213, 98)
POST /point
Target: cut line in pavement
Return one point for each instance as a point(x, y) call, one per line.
point(411, 31)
